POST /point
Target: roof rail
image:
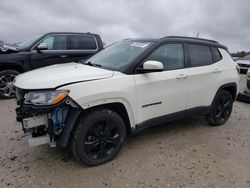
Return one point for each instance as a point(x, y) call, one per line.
point(194, 38)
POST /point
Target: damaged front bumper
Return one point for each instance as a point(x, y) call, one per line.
point(48, 124)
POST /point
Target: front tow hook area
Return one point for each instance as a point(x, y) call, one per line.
point(37, 141)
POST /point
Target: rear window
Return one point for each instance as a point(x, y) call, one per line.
point(216, 54)
point(80, 42)
point(199, 55)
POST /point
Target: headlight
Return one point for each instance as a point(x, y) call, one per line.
point(41, 98)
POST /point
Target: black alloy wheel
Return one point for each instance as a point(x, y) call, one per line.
point(221, 110)
point(98, 137)
point(102, 139)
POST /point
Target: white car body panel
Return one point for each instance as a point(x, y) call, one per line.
point(161, 93)
point(60, 74)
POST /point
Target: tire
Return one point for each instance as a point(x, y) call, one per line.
point(98, 137)
point(7, 89)
point(221, 109)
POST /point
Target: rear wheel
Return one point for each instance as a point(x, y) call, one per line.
point(7, 89)
point(221, 109)
point(98, 137)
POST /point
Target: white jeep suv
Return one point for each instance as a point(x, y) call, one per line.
point(130, 85)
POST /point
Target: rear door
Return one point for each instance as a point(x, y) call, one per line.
point(57, 51)
point(205, 74)
point(82, 47)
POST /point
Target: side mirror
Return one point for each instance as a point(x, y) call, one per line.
point(152, 66)
point(42, 46)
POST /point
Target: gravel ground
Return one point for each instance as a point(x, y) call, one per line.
point(185, 153)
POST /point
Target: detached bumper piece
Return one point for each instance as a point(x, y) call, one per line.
point(244, 97)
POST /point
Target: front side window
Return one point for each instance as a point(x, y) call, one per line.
point(170, 55)
point(80, 42)
point(199, 55)
point(57, 42)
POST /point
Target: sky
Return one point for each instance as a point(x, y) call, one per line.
point(227, 21)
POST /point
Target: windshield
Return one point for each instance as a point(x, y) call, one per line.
point(118, 55)
point(28, 42)
point(246, 57)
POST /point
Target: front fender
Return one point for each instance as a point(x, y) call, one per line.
point(12, 64)
point(70, 123)
point(114, 100)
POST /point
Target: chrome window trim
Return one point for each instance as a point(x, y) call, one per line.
point(87, 50)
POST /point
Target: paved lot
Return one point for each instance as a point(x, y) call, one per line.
point(185, 153)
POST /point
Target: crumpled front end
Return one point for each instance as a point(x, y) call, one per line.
point(50, 124)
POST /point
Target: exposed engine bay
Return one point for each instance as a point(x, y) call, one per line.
point(45, 124)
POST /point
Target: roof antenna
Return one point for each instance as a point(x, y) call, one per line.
point(197, 36)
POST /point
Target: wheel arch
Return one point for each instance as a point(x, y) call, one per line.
point(12, 66)
point(120, 109)
point(115, 105)
point(231, 88)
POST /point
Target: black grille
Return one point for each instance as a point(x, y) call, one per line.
point(243, 65)
point(248, 84)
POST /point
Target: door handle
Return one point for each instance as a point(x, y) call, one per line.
point(64, 56)
point(216, 71)
point(182, 76)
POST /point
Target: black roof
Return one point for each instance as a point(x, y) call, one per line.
point(185, 39)
point(191, 38)
point(85, 33)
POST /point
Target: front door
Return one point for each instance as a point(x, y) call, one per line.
point(166, 92)
point(57, 52)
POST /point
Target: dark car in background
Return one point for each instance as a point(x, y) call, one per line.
point(44, 50)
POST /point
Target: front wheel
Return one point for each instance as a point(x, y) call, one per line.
point(7, 89)
point(221, 109)
point(98, 137)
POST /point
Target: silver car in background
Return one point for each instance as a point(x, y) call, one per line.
point(244, 63)
point(248, 82)
point(245, 95)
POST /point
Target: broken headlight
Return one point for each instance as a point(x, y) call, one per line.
point(41, 98)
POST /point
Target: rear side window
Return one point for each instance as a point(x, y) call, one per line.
point(216, 54)
point(199, 55)
point(80, 42)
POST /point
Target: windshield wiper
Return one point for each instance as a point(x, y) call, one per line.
point(92, 64)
